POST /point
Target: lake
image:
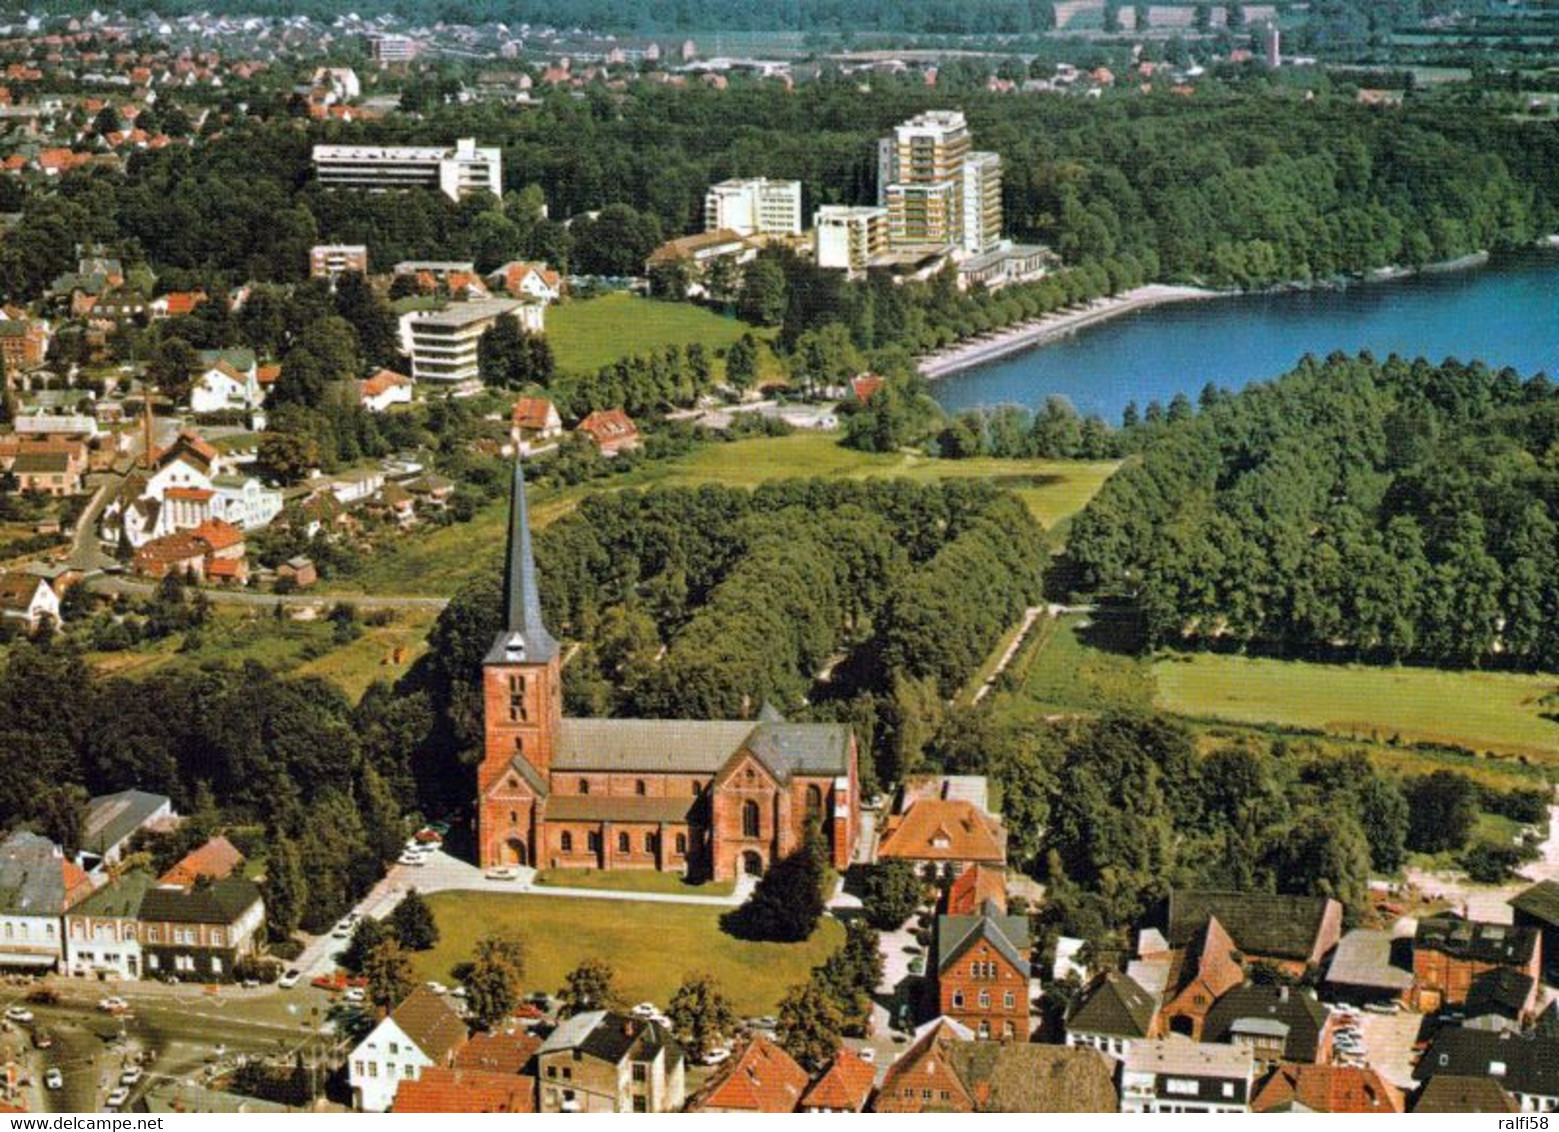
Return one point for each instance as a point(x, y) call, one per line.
point(1504, 313)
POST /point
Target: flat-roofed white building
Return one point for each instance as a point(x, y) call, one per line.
point(326, 261)
point(754, 206)
point(442, 344)
point(384, 49)
point(456, 172)
point(849, 238)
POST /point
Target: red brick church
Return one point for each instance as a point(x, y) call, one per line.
point(704, 798)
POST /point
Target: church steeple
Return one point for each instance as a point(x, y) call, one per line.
point(524, 638)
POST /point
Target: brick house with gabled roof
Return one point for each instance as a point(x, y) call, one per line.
point(1202, 972)
point(923, 1078)
point(944, 835)
point(760, 1077)
point(973, 889)
point(1290, 932)
point(708, 798)
point(1451, 956)
point(845, 1085)
point(612, 431)
point(982, 971)
point(1325, 1088)
point(199, 933)
point(1029, 1077)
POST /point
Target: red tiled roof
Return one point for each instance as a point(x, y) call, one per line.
point(219, 534)
point(531, 412)
point(196, 494)
point(865, 386)
point(182, 302)
point(216, 859)
point(384, 380)
point(761, 1078)
point(505, 1051)
point(465, 1090)
point(267, 375)
point(180, 546)
point(193, 443)
point(844, 1086)
point(225, 568)
point(1326, 1088)
point(973, 888)
point(607, 425)
point(936, 829)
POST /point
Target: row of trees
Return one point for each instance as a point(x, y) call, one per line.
point(1380, 510)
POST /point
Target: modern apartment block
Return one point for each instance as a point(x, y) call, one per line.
point(326, 261)
point(457, 172)
point(849, 238)
point(386, 49)
point(937, 191)
point(442, 343)
point(754, 206)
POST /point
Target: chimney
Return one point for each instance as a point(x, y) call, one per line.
point(1283, 993)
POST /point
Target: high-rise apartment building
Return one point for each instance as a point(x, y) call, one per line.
point(849, 238)
point(937, 192)
point(456, 172)
point(754, 206)
point(442, 344)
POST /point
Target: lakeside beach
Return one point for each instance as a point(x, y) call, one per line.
point(989, 347)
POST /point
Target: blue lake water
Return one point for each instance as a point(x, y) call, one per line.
point(1505, 313)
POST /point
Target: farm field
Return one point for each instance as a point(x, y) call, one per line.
point(651, 945)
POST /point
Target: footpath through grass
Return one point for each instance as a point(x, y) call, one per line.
point(650, 945)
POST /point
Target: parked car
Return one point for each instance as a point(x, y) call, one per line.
point(132, 1076)
point(412, 860)
point(1384, 1007)
point(438, 988)
point(54, 1079)
point(867, 1054)
point(646, 1010)
point(116, 1099)
point(502, 874)
point(42, 1038)
point(18, 1014)
point(716, 1056)
point(113, 1004)
point(290, 979)
point(356, 995)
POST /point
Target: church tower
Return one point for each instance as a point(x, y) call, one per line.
point(522, 703)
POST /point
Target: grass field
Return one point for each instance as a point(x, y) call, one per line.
point(383, 652)
point(1499, 712)
point(439, 561)
point(592, 333)
point(652, 946)
point(631, 880)
point(1058, 672)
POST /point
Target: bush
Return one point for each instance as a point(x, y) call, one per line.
point(287, 949)
point(1487, 863)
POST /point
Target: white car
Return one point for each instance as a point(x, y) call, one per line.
point(502, 874)
point(866, 1054)
point(291, 979)
point(645, 1010)
point(412, 860)
point(54, 1079)
point(113, 1004)
point(716, 1056)
point(438, 988)
point(343, 930)
point(132, 1076)
point(18, 1014)
point(116, 1099)
point(356, 995)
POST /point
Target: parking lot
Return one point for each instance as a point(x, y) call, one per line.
point(1387, 1041)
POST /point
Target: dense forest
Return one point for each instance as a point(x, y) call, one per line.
point(1235, 189)
point(1384, 511)
point(833, 599)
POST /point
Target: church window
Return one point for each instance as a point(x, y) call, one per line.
point(649, 843)
point(566, 842)
point(514, 817)
point(593, 841)
point(624, 845)
point(682, 845)
point(749, 818)
point(814, 799)
point(584, 786)
point(639, 788)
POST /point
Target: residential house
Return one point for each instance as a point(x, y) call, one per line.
point(1293, 933)
point(189, 483)
point(103, 932)
point(1525, 1067)
point(298, 571)
point(1027, 1077)
point(700, 253)
point(423, 1032)
point(176, 304)
point(845, 1085)
point(1450, 954)
point(24, 343)
point(28, 600)
point(602, 1061)
point(1538, 908)
point(383, 389)
point(611, 431)
point(213, 551)
point(1201, 973)
point(228, 382)
point(217, 859)
point(112, 819)
point(38, 883)
point(1352, 1089)
point(982, 971)
point(534, 281)
point(450, 1091)
point(1176, 1075)
point(200, 933)
point(923, 1078)
point(1113, 1013)
point(500, 1051)
point(1454, 1095)
point(48, 472)
point(1275, 1022)
point(944, 836)
point(534, 423)
point(759, 1077)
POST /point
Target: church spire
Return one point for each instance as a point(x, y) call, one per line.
point(524, 637)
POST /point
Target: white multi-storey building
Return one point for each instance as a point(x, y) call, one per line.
point(456, 172)
point(754, 206)
point(1178, 1075)
point(937, 191)
point(442, 343)
point(982, 202)
point(385, 49)
point(849, 238)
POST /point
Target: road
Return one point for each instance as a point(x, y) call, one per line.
point(115, 584)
